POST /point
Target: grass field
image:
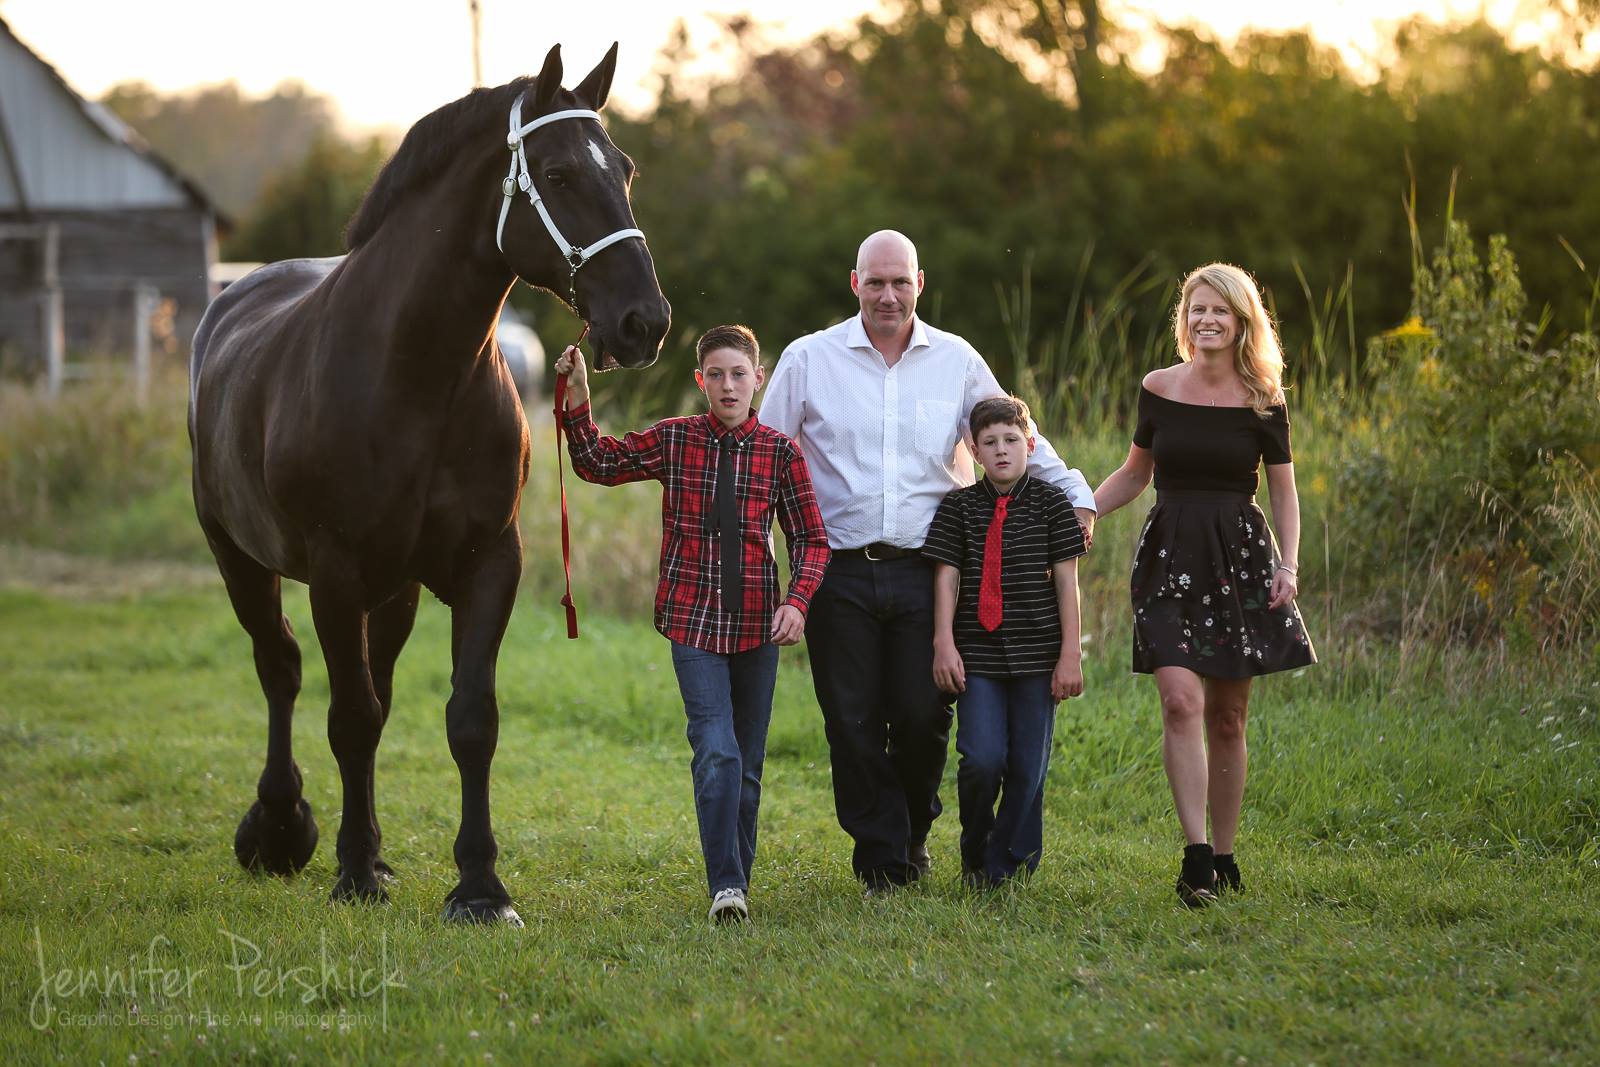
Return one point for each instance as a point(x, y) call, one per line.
point(1423, 871)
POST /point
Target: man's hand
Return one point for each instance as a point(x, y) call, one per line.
point(571, 364)
point(1086, 517)
point(949, 673)
point(1067, 680)
point(788, 625)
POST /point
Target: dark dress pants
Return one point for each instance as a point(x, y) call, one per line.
point(869, 633)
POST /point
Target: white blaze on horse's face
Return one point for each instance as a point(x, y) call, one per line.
point(518, 177)
point(599, 156)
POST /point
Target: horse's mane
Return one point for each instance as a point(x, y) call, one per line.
point(432, 144)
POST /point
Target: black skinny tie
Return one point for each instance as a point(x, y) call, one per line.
point(725, 522)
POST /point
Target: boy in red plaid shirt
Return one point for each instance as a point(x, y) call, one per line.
point(724, 477)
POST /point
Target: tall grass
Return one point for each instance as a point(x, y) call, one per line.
point(112, 482)
point(1388, 583)
point(1084, 372)
point(95, 472)
point(1572, 522)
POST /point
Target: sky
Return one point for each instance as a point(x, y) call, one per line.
point(387, 62)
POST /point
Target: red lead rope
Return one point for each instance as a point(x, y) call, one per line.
point(561, 478)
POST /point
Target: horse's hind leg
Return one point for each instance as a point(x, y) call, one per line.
point(388, 627)
point(278, 833)
point(478, 623)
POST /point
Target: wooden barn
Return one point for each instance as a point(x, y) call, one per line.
point(104, 247)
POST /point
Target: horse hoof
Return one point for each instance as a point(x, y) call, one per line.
point(277, 845)
point(486, 912)
point(358, 891)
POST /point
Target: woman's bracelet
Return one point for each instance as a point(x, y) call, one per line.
point(1292, 570)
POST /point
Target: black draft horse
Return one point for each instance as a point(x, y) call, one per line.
point(355, 428)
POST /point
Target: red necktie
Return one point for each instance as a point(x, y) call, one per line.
point(989, 602)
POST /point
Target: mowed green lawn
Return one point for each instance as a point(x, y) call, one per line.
point(1421, 870)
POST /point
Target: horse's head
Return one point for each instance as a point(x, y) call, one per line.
point(581, 180)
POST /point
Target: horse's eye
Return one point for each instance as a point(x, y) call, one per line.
point(555, 178)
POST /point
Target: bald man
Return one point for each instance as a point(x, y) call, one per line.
point(879, 405)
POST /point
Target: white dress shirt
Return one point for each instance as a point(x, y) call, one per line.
point(885, 444)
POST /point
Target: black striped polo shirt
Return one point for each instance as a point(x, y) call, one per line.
point(1040, 529)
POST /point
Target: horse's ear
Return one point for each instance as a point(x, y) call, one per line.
point(549, 79)
point(597, 86)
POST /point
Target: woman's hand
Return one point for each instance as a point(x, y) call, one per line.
point(949, 673)
point(1285, 587)
point(572, 364)
point(1067, 680)
point(1086, 519)
point(788, 625)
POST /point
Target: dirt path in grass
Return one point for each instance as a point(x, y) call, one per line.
point(89, 578)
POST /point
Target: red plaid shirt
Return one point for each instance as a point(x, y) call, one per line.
point(770, 476)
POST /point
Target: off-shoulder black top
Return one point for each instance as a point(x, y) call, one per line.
point(1210, 448)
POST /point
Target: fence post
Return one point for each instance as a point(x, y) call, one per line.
point(54, 324)
point(144, 305)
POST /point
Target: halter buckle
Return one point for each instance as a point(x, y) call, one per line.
point(508, 186)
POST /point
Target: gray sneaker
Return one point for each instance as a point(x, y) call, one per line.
point(729, 905)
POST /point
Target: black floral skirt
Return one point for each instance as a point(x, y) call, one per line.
point(1202, 576)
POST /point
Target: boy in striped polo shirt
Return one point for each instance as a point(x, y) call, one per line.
point(724, 478)
point(1005, 638)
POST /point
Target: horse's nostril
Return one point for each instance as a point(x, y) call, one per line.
point(635, 328)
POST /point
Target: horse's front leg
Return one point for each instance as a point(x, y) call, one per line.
point(355, 717)
point(479, 614)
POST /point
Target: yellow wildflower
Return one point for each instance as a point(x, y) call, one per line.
point(1412, 327)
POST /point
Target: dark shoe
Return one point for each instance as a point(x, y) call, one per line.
point(918, 857)
point(975, 879)
point(1197, 879)
point(1228, 880)
point(882, 883)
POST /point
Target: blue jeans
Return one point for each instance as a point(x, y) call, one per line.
point(728, 700)
point(1004, 728)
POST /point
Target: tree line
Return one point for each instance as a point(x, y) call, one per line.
point(1047, 181)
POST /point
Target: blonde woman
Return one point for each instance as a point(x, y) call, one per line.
point(1213, 596)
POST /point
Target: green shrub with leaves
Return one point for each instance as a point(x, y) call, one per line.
point(1475, 445)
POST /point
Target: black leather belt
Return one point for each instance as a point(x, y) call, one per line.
point(878, 552)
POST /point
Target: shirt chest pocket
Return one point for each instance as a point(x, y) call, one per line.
point(1027, 546)
point(936, 428)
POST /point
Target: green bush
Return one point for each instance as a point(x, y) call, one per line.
point(1470, 450)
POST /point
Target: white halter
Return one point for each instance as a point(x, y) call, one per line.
point(518, 178)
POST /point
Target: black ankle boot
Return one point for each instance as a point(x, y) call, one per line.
point(1197, 879)
point(1228, 880)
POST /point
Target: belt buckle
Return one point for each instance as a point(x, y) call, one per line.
point(867, 551)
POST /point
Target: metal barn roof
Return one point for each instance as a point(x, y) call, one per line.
point(60, 152)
